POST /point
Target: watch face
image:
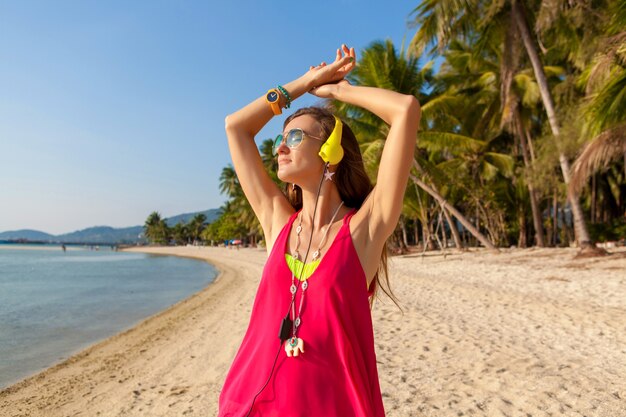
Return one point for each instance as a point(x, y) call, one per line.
point(272, 96)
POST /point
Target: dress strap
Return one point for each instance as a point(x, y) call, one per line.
point(348, 215)
point(293, 217)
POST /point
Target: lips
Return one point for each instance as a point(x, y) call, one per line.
point(282, 161)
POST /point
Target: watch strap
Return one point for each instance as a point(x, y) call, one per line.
point(275, 105)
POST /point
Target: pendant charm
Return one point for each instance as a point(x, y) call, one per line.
point(294, 346)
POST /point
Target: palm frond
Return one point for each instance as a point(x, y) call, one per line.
point(528, 89)
point(442, 106)
point(431, 172)
point(449, 142)
point(608, 106)
point(437, 21)
point(371, 156)
point(605, 148)
point(618, 13)
point(454, 166)
point(488, 171)
point(505, 164)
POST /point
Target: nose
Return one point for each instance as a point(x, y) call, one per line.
point(282, 147)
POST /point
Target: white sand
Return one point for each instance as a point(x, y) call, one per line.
point(520, 333)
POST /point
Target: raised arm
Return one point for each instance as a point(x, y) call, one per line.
point(264, 196)
point(402, 113)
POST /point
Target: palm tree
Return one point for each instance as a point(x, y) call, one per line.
point(229, 183)
point(156, 229)
point(466, 129)
point(605, 113)
point(519, 15)
point(445, 206)
point(441, 21)
point(180, 233)
point(270, 162)
point(382, 66)
point(518, 90)
point(469, 163)
point(196, 226)
point(238, 208)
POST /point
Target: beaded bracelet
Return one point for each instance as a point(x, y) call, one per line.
point(286, 94)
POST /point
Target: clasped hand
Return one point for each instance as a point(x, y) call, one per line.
point(325, 78)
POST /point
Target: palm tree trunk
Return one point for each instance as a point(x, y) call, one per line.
point(455, 232)
point(426, 235)
point(522, 239)
point(594, 197)
point(555, 219)
point(537, 218)
point(582, 235)
point(446, 206)
point(436, 234)
point(444, 235)
point(405, 240)
point(425, 222)
point(529, 142)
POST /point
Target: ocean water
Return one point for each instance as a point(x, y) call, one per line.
point(55, 303)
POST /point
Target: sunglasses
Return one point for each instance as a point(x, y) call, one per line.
point(292, 139)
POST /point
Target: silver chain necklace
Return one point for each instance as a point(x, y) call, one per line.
point(294, 345)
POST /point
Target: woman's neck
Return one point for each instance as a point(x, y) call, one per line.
point(328, 202)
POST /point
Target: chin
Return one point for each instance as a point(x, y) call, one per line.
point(284, 176)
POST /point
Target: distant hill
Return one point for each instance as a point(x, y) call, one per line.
point(211, 216)
point(26, 234)
point(101, 234)
point(104, 234)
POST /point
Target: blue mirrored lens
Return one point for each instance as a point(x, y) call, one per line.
point(277, 142)
point(294, 137)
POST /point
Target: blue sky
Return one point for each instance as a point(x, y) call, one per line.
point(111, 110)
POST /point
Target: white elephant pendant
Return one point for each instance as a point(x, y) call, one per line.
point(294, 346)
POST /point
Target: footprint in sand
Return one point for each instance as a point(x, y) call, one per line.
point(175, 391)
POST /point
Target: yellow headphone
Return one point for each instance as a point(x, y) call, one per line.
point(331, 150)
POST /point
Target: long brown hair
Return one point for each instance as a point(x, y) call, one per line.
point(352, 183)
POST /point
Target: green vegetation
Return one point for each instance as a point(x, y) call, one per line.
point(540, 83)
point(523, 131)
point(158, 232)
point(238, 220)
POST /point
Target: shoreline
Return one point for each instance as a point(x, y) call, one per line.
point(126, 347)
point(43, 330)
point(531, 330)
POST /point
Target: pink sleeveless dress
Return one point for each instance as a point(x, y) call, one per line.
point(336, 376)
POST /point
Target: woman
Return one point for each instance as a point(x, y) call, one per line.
point(309, 347)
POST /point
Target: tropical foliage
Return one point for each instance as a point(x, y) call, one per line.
point(238, 221)
point(157, 231)
point(523, 132)
point(528, 78)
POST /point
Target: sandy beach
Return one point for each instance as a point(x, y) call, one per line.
point(530, 332)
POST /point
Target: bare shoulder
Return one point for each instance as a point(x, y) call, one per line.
point(280, 216)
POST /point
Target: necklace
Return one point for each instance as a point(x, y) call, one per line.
point(294, 345)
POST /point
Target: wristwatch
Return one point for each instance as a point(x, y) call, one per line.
point(273, 99)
